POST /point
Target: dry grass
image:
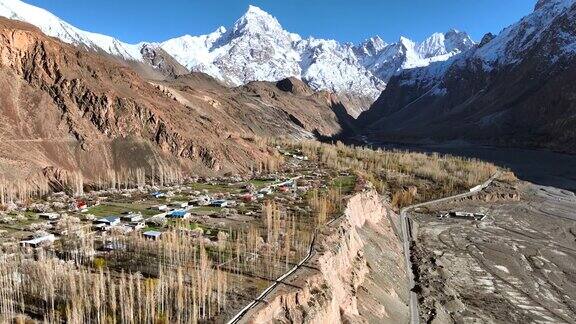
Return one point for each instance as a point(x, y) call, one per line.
point(182, 278)
point(407, 177)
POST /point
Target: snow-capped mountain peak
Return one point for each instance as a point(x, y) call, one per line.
point(406, 42)
point(407, 54)
point(553, 4)
point(55, 27)
point(373, 45)
point(256, 21)
point(433, 45)
point(439, 44)
point(257, 48)
point(193, 51)
point(508, 47)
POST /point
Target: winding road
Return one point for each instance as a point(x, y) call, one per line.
point(407, 239)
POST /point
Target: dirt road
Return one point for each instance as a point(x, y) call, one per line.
point(407, 240)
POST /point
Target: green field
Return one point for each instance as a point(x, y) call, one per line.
point(259, 184)
point(345, 183)
point(116, 209)
point(213, 188)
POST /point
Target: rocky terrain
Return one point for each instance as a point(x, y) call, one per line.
point(81, 111)
point(515, 266)
point(513, 89)
point(356, 274)
point(287, 107)
point(77, 107)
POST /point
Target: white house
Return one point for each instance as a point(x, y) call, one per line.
point(109, 221)
point(132, 217)
point(179, 204)
point(35, 242)
point(153, 235)
point(161, 207)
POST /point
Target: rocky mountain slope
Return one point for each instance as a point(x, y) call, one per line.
point(257, 48)
point(66, 109)
point(514, 89)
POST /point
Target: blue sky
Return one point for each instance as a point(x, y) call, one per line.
point(344, 20)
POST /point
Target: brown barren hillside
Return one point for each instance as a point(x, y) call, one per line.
point(284, 108)
point(63, 108)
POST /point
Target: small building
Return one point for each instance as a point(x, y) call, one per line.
point(248, 198)
point(152, 235)
point(160, 207)
point(158, 194)
point(179, 204)
point(137, 225)
point(124, 229)
point(114, 246)
point(219, 203)
point(102, 227)
point(38, 241)
point(266, 191)
point(49, 216)
point(132, 217)
point(179, 214)
point(110, 220)
point(465, 215)
point(202, 201)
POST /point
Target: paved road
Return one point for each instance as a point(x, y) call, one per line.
point(407, 239)
point(276, 283)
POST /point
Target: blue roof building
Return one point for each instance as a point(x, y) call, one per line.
point(180, 214)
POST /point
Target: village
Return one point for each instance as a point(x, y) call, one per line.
point(247, 231)
point(189, 249)
point(213, 202)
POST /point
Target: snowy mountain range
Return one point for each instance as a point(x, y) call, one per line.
point(257, 48)
point(508, 48)
point(513, 89)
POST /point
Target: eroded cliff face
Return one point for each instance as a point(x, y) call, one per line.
point(356, 275)
point(64, 108)
point(81, 111)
